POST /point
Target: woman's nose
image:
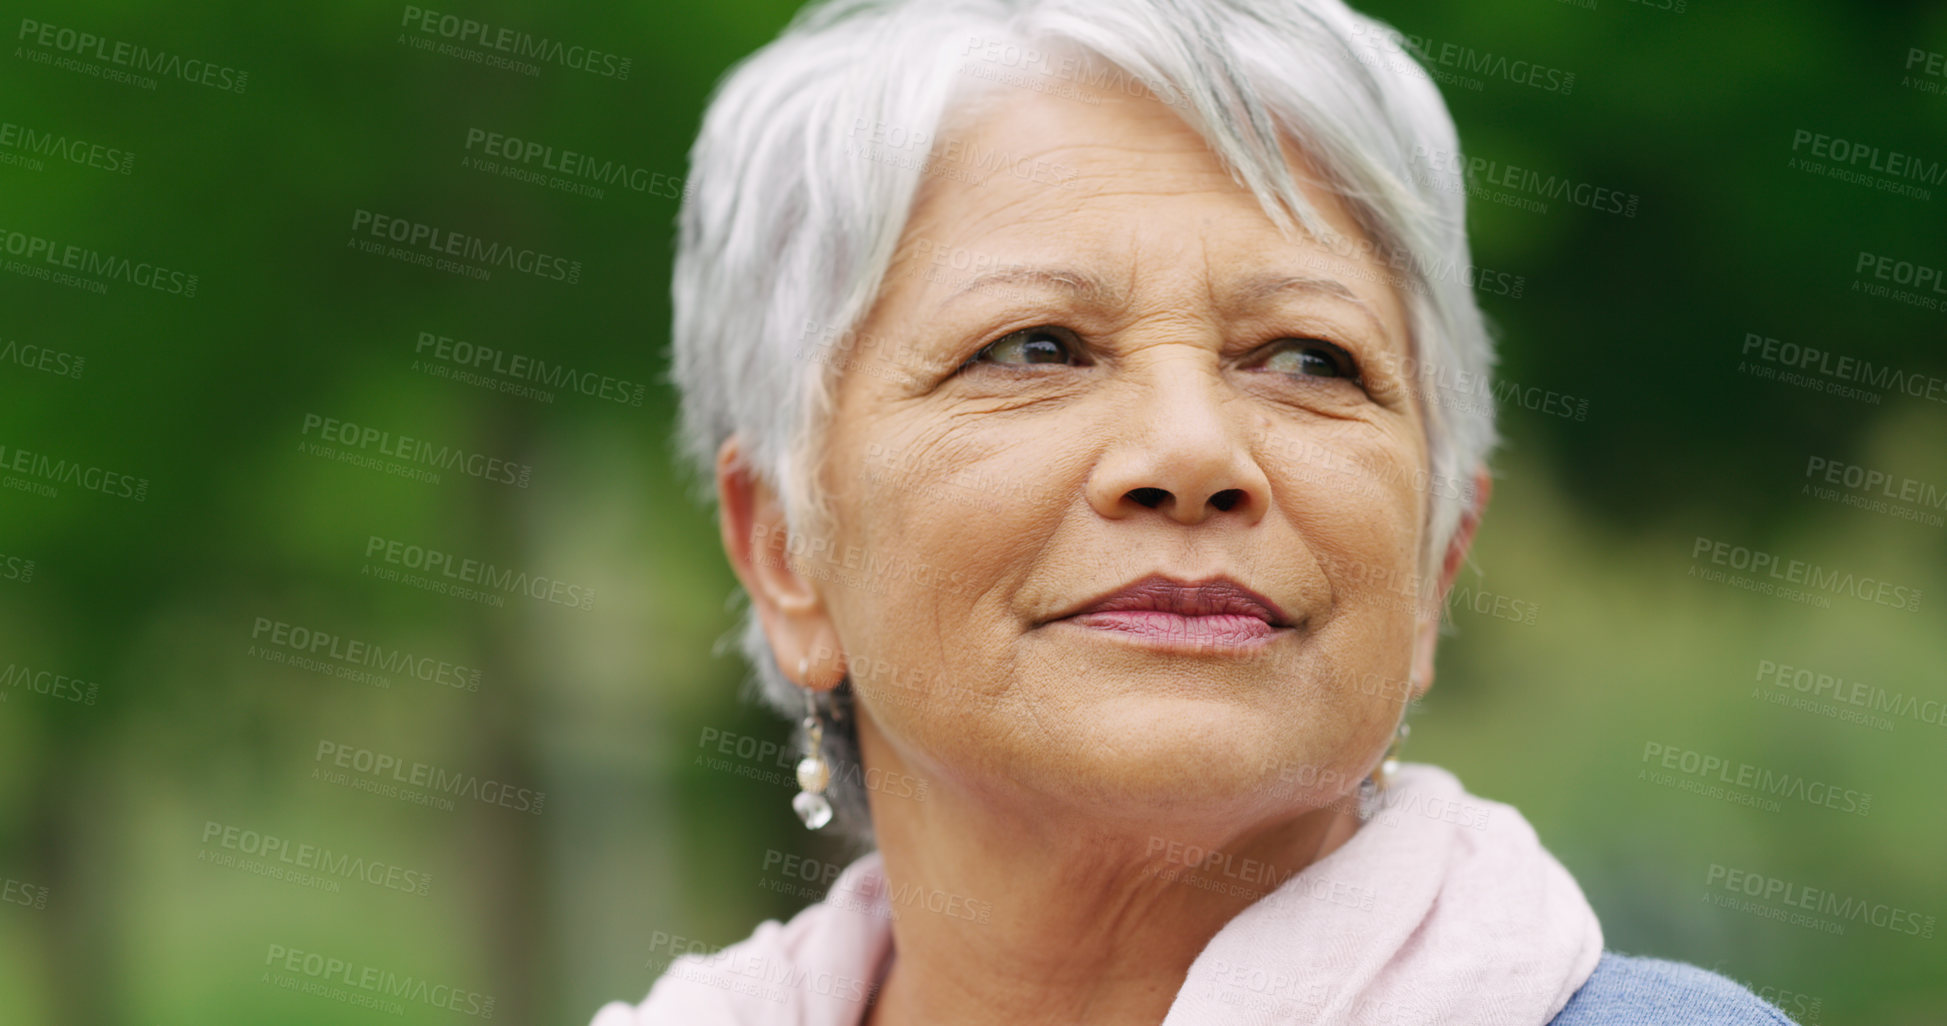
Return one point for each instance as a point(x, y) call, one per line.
point(1183, 448)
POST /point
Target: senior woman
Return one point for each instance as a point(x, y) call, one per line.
point(1064, 369)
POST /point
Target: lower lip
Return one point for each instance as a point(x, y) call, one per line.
point(1178, 632)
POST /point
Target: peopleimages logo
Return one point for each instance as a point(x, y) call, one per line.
point(1452, 63)
point(42, 358)
point(453, 571)
point(1821, 901)
point(16, 892)
point(115, 54)
point(16, 568)
point(371, 985)
point(31, 141)
point(896, 144)
point(1716, 769)
point(1919, 285)
point(1888, 162)
point(1926, 70)
point(279, 853)
point(418, 782)
point(515, 42)
point(423, 243)
point(516, 373)
point(1798, 572)
point(1901, 272)
point(1402, 270)
point(573, 171)
point(1863, 164)
point(1875, 491)
point(42, 474)
point(416, 451)
point(43, 253)
point(1473, 172)
point(751, 975)
point(1825, 693)
point(1834, 367)
point(310, 644)
point(47, 682)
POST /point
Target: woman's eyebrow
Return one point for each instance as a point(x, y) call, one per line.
point(1080, 283)
point(1266, 286)
point(1263, 287)
point(1252, 291)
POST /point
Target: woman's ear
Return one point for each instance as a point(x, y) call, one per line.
point(758, 542)
point(1427, 632)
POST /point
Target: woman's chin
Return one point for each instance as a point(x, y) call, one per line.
point(1174, 758)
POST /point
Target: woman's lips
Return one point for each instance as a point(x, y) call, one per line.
point(1182, 616)
point(1178, 631)
point(1174, 615)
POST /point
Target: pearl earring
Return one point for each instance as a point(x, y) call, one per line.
point(1373, 786)
point(813, 773)
point(1390, 764)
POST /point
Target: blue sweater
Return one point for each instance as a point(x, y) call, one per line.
point(1629, 991)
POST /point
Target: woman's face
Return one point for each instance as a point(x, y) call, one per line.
point(1101, 363)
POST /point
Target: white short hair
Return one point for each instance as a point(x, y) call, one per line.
point(786, 234)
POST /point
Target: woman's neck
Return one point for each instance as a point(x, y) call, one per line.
point(1005, 915)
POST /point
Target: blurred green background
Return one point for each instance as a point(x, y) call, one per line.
point(156, 724)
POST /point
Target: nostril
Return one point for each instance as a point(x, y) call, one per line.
point(1227, 500)
point(1150, 497)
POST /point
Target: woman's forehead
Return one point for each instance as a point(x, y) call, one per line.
point(977, 247)
point(1123, 189)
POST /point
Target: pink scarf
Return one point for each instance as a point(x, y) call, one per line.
point(1443, 908)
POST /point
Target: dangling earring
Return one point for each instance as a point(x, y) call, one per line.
point(1390, 764)
point(1373, 786)
point(813, 773)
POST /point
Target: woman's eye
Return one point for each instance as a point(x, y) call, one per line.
point(1311, 358)
point(1030, 345)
